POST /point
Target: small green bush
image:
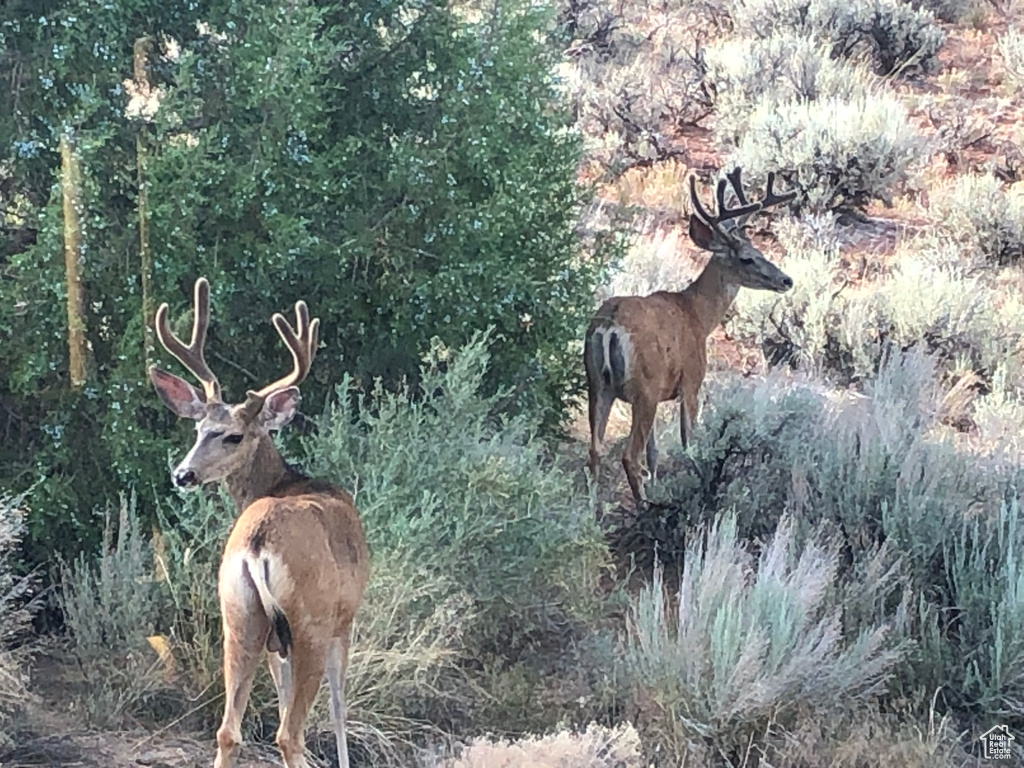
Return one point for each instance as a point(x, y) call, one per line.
point(838, 152)
point(983, 215)
point(895, 36)
point(469, 496)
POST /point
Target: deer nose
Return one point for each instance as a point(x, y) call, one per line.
point(185, 478)
point(787, 283)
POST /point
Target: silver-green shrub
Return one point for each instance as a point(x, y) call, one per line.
point(933, 298)
point(635, 74)
point(1011, 47)
point(840, 152)
point(749, 641)
point(906, 500)
point(983, 215)
point(892, 34)
point(788, 66)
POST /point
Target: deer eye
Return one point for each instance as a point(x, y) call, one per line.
point(233, 439)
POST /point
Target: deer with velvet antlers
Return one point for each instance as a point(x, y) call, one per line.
point(296, 562)
point(649, 349)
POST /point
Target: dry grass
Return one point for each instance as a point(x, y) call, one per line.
point(596, 747)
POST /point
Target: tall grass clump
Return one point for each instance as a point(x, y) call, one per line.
point(840, 152)
point(894, 36)
point(111, 605)
point(15, 614)
point(983, 215)
point(747, 643)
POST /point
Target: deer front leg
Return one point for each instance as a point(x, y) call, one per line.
point(643, 422)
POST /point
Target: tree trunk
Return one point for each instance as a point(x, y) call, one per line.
point(71, 187)
point(143, 47)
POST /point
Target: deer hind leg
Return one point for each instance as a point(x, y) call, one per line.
point(643, 421)
point(281, 671)
point(599, 407)
point(652, 456)
point(307, 664)
point(687, 414)
point(337, 665)
point(600, 396)
point(244, 635)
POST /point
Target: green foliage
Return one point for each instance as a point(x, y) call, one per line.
point(469, 497)
point(892, 34)
point(407, 171)
point(983, 215)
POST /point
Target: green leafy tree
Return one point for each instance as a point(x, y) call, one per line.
point(404, 167)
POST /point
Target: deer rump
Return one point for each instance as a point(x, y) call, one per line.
point(608, 351)
point(251, 584)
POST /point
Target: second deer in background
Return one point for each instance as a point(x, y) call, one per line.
point(649, 349)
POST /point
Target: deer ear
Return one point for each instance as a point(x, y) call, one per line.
point(701, 233)
point(177, 394)
point(280, 408)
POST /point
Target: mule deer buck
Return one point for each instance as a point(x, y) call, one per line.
point(296, 562)
point(649, 349)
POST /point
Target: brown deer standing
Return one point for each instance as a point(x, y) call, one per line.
point(296, 563)
point(649, 349)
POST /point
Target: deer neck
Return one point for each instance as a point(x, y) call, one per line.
point(711, 295)
point(259, 477)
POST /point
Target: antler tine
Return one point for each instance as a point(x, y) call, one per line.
point(725, 213)
point(191, 355)
point(770, 198)
point(698, 207)
point(737, 184)
point(301, 342)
